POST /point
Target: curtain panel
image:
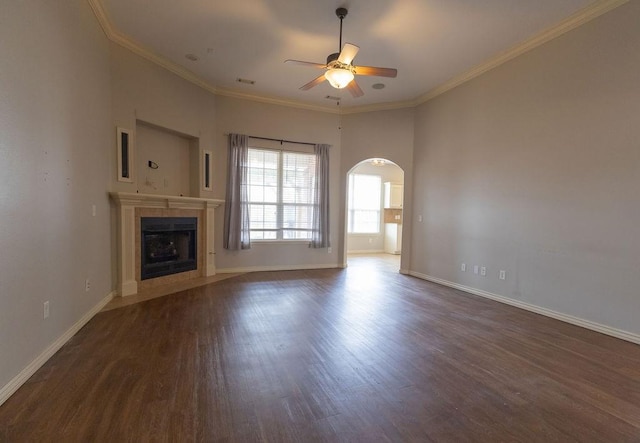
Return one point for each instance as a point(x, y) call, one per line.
point(236, 206)
point(320, 235)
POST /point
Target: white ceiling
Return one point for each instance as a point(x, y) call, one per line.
point(428, 41)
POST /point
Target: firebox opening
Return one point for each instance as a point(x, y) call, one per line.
point(168, 245)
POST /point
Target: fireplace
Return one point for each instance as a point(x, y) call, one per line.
point(168, 246)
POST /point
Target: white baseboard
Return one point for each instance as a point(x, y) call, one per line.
point(618, 333)
point(404, 271)
point(366, 251)
point(17, 381)
point(275, 268)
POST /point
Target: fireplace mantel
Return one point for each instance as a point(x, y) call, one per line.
point(163, 201)
point(127, 203)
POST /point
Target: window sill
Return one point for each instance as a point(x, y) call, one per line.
point(280, 242)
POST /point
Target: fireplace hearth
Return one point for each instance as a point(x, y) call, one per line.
point(168, 246)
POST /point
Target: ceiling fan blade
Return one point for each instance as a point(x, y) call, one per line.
point(316, 81)
point(348, 53)
point(354, 89)
point(301, 63)
point(378, 72)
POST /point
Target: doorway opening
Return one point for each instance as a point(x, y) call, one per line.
point(375, 193)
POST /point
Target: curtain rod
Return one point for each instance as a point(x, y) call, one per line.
point(282, 141)
point(279, 140)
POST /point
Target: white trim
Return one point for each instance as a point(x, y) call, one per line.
point(387, 106)
point(118, 38)
point(578, 19)
point(581, 17)
point(618, 333)
point(276, 101)
point(275, 268)
point(366, 251)
point(17, 381)
point(293, 241)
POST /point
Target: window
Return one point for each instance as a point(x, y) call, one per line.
point(281, 188)
point(364, 204)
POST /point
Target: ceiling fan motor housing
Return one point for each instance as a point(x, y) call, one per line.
point(339, 71)
point(332, 57)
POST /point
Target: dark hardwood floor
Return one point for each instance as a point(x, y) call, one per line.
point(362, 354)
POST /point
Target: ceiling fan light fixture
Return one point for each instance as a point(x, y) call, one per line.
point(339, 78)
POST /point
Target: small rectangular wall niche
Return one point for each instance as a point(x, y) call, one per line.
point(168, 246)
point(206, 173)
point(125, 155)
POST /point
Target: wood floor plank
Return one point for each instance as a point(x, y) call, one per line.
point(361, 354)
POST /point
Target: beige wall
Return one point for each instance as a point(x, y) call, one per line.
point(266, 120)
point(170, 152)
point(383, 134)
point(143, 91)
point(55, 135)
point(534, 168)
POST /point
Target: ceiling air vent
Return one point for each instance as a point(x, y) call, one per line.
point(331, 97)
point(245, 81)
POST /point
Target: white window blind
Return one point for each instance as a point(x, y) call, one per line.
point(281, 187)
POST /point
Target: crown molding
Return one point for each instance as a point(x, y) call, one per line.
point(300, 105)
point(101, 15)
point(275, 101)
point(387, 106)
point(126, 42)
point(581, 17)
point(578, 19)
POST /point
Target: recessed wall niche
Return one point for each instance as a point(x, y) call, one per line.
point(167, 162)
point(125, 155)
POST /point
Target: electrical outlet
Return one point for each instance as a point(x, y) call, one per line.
point(329, 250)
point(503, 274)
point(483, 271)
point(476, 268)
point(45, 312)
point(93, 210)
point(87, 285)
point(463, 267)
point(420, 218)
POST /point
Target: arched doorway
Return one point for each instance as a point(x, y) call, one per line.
point(374, 204)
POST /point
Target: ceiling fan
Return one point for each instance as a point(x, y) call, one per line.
point(339, 71)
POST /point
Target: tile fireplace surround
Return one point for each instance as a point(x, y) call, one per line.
point(131, 207)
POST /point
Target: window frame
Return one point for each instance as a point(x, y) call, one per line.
point(350, 209)
point(280, 203)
